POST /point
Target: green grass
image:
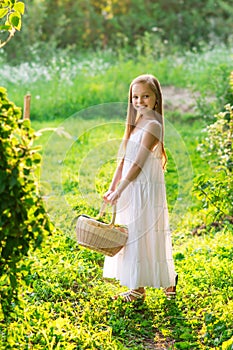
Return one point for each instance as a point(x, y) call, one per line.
point(65, 302)
point(68, 305)
point(65, 85)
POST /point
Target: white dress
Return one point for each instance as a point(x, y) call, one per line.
point(146, 260)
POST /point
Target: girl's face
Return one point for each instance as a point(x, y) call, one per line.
point(143, 98)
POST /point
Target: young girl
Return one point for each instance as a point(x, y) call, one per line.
point(138, 189)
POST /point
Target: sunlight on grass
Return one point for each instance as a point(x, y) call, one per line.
point(65, 302)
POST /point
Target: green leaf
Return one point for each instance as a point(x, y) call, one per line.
point(3, 12)
point(2, 90)
point(179, 256)
point(13, 281)
point(2, 186)
point(36, 158)
point(15, 20)
point(5, 27)
point(8, 3)
point(5, 3)
point(19, 7)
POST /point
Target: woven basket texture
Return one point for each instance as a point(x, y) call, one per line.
point(100, 237)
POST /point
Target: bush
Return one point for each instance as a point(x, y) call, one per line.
point(23, 220)
point(216, 190)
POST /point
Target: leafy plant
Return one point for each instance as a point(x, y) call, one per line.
point(11, 12)
point(216, 190)
point(23, 220)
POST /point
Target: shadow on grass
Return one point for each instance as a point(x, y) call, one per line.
point(157, 324)
point(173, 324)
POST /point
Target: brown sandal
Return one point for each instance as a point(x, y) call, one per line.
point(170, 292)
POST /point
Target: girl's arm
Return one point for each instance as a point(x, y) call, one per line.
point(149, 140)
point(115, 180)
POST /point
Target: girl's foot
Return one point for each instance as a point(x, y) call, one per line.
point(170, 292)
point(132, 295)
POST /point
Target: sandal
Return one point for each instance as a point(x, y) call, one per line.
point(170, 292)
point(131, 295)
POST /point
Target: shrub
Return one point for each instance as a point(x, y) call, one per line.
point(216, 191)
point(23, 221)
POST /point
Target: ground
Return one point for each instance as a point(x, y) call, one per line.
point(179, 99)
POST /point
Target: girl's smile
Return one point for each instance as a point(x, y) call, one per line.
point(143, 98)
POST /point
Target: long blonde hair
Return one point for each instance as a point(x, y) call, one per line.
point(132, 114)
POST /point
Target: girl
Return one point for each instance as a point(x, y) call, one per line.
point(138, 188)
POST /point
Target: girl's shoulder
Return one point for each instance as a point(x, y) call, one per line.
point(153, 126)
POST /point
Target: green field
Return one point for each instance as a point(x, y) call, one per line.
point(65, 302)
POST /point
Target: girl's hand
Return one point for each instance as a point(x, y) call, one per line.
point(111, 197)
point(105, 197)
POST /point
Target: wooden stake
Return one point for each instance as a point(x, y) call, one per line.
point(26, 110)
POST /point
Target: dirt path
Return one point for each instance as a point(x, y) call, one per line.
point(180, 99)
point(159, 344)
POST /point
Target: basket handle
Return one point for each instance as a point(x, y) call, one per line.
point(102, 211)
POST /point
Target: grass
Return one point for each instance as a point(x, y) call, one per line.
point(65, 302)
point(64, 85)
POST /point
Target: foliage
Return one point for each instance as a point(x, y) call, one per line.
point(219, 141)
point(11, 12)
point(216, 191)
point(80, 25)
point(23, 221)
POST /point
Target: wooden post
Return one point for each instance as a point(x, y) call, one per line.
point(26, 110)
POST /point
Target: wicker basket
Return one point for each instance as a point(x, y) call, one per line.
point(107, 239)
